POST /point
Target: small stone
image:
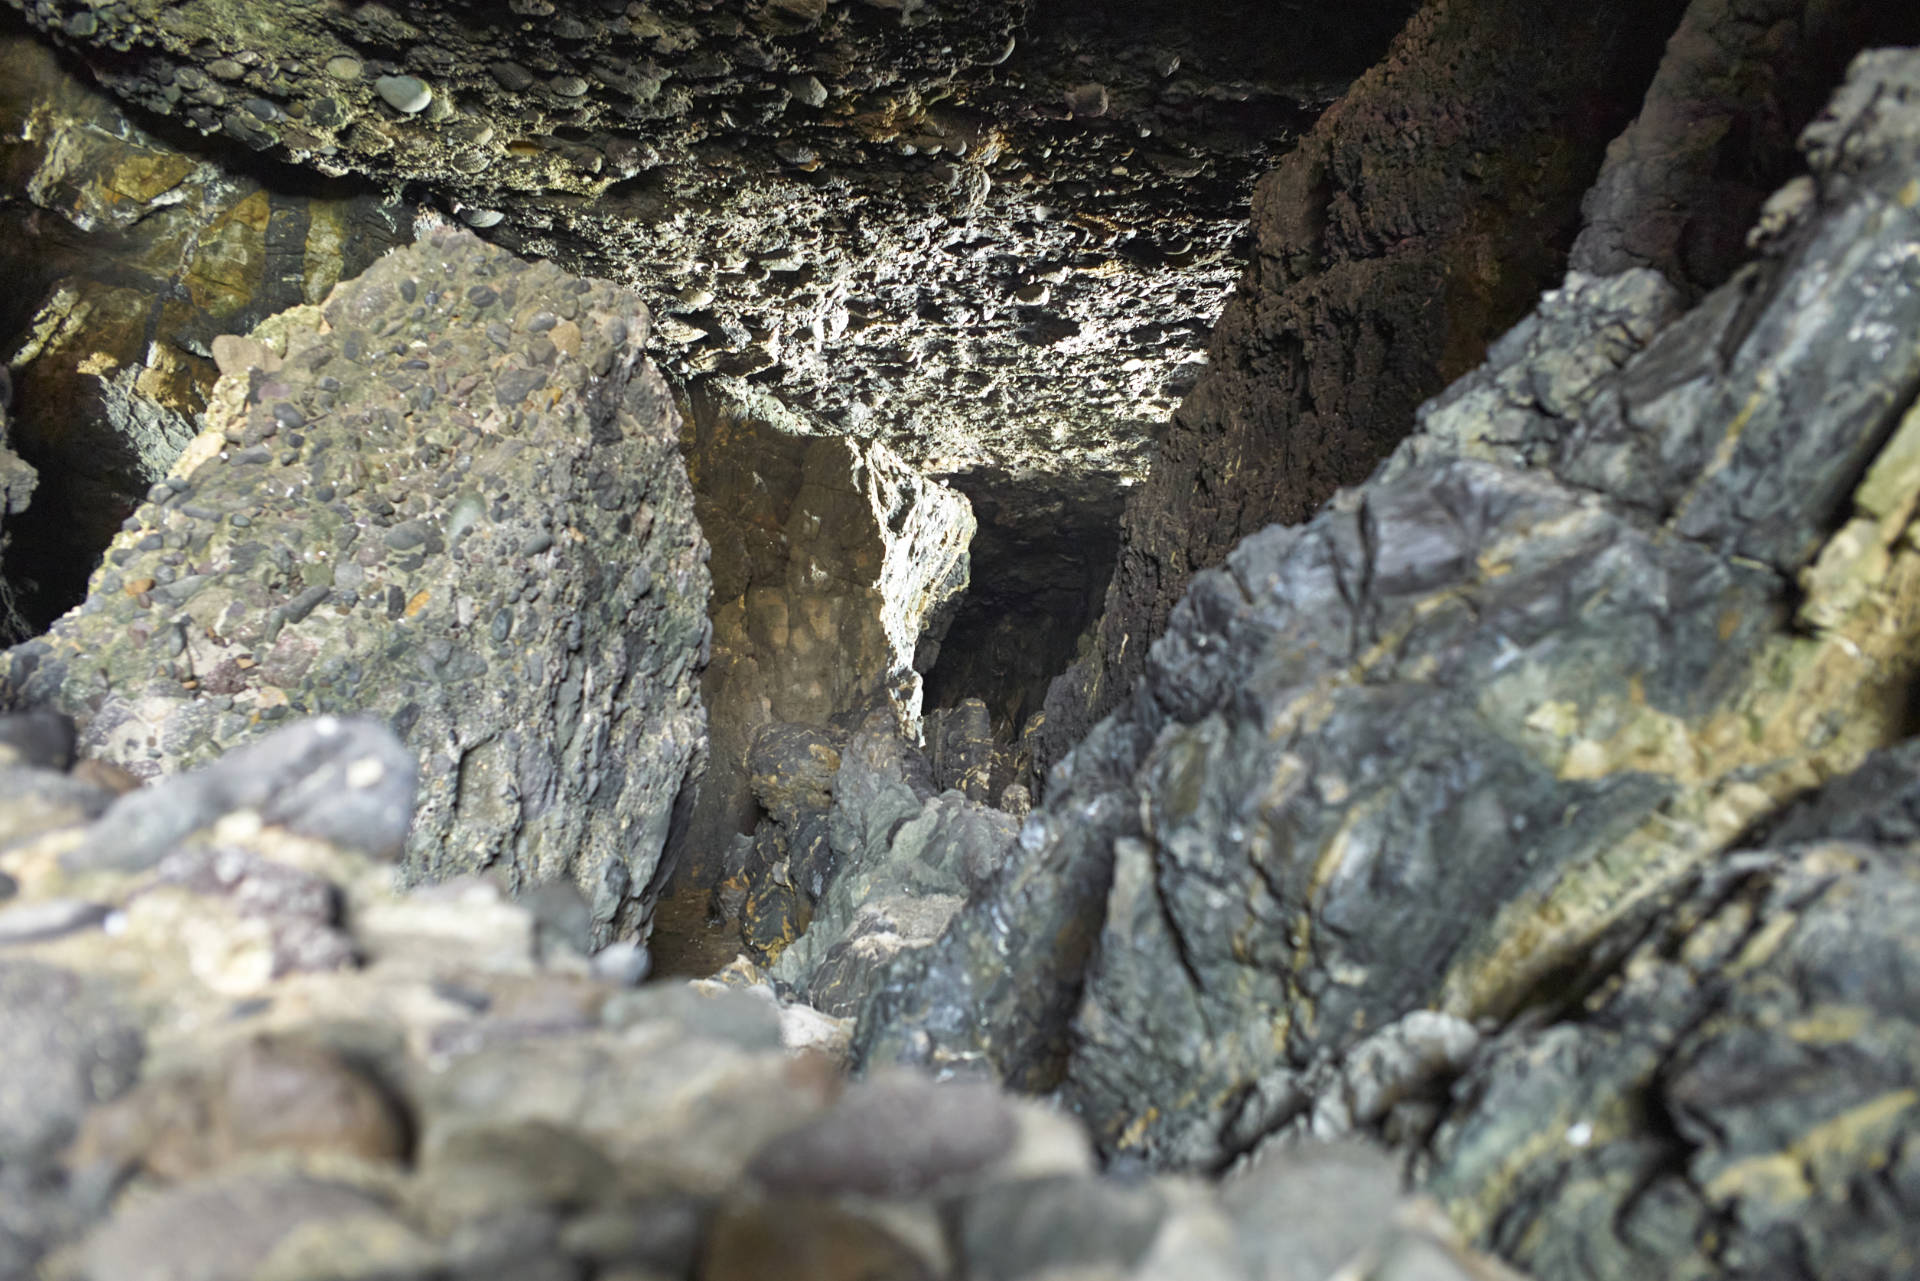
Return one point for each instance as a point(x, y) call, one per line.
point(49, 919)
point(568, 86)
point(511, 76)
point(407, 94)
point(890, 1137)
point(623, 964)
point(807, 89)
point(342, 67)
point(1088, 101)
point(481, 218)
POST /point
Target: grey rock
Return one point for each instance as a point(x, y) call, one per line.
point(894, 1137)
point(406, 94)
point(559, 750)
point(49, 919)
point(1012, 1230)
point(64, 1046)
point(216, 1230)
point(346, 781)
point(1233, 879)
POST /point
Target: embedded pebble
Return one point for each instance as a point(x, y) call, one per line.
point(343, 67)
point(408, 94)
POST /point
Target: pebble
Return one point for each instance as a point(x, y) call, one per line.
point(408, 94)
point(807, 89)
point(568, 86)
point(49, 919)
point(342, 67)
point(1088, 101)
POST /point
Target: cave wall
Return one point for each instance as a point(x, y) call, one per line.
point(1420, 216)
point(830, 559)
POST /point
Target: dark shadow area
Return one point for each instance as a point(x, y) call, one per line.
point(1039, 569)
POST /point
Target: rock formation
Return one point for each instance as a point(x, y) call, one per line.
point(1481, 737)
point(235, 1051)
point(448, 495)
point(126, 257)
point(1523, 823)
point(1421, 216)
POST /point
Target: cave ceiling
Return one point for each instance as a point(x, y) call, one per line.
point(993, 236)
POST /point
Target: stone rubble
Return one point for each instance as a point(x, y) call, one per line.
point(453, 1095)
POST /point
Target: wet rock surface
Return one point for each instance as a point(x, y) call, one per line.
point(458, 1099)
point(1546, 669)
point(449, 494)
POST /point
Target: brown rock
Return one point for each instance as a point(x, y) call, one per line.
point(805, 1241)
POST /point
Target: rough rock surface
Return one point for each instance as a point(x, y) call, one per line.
point(1540, 696)
point(451, 1098)
point(1714, 138)
point(1422, 215)
point(126, 256)
point(834, 569)
point(450, 496)
point(901, 858)
point(990, 235)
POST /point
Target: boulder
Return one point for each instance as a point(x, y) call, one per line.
point(449, 496)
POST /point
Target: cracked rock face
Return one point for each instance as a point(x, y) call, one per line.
point(449, 495)
point(1626, 594)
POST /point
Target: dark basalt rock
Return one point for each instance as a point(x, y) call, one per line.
point(1448, 745)
point(1423, 214)
point(1741, 1098)
point(374, 561)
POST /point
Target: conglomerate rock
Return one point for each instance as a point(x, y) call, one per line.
point(991, 238)
point(1423, 214)
point(449, 496)
point(1450, 745)
point(446, 1098)
point(125, 256)
point(834, 568)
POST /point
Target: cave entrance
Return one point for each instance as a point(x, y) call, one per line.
point(1039, 567)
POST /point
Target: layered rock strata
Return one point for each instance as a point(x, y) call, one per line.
point(1454, 746)
point(451, 496)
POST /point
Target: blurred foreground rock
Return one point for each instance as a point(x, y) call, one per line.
point(190, 1087)
point(450, 495)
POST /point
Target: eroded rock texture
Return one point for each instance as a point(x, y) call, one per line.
point(193, 1086)
point(1422, 215)
point(450, 496)
point(835, 569)
point(1454, 745)
point(988, 238)
point(125, 257)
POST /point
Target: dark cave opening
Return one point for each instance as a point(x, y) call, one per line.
point(1040, 564)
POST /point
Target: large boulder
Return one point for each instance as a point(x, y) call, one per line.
point(1445, 747)
point(126, 255)
point(448, 496)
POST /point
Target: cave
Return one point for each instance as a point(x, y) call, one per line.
point(1025, 638)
